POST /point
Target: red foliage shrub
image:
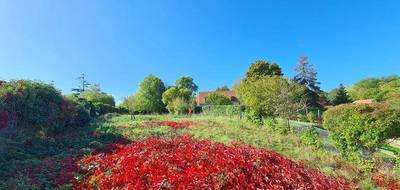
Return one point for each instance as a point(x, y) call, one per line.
point(185, 163)
point(172, 124)
point(381, 180)
point(4, 117)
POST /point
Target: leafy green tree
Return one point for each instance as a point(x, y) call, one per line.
point(95, 95)
point(341, 96)
point(148, 98)
point(180, 94)
point(307, 76)
point(179, 105)
point(289, 100)
point(186, 83)
point(375, 88)
point(102, 102)
point(271, 97)
point(262, 68)
point(128, 104)
point(217, 98)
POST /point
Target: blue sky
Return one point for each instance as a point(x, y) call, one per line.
point(118, 43)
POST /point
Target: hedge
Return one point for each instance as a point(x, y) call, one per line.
point(222, 110)
point(34, 109)
point(356, 127)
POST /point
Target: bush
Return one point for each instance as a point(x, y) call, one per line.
point(33, 109)
point(222, 110)
point(102, 102)
point(218, 98)
point(84, 110)
point(179, 106)
point(357, 127)
point(311, 137)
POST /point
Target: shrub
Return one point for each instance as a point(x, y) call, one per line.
point(179, 106)
point(222, 110)
point(102, 102)
point(34, 108)
point(84, 110)
point(311, 137)
point(356, 127)
point(218, 98)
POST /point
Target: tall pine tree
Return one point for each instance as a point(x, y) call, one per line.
point(341, 96)
point(307, 76)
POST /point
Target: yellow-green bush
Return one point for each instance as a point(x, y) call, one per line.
point(356, 127)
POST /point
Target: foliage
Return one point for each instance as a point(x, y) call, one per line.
point(340, 96)
point(356, 127)
point(180, 106)
point(289, 101)
point(82, 84)
point(262, 68)
point(311, 137)
point(379, 89)
point(218, 98)
point(271, 97)
point(183, 162)
point(103, 103)
point(223, 88)
point(186, 82)
point(148, 97)
point(179, 98)
point(173, 93)
point(85, 110)
point(222, 110)
point(307, 76)
point(34, 109)
point(128, 104)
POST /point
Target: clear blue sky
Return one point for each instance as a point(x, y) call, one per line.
point(118, 43)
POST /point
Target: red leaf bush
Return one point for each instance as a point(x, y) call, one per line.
point(382, 181)
point(186, 163)
point(172, 124)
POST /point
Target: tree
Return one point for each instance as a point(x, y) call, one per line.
point(217, 98)
point(289, 102)
point(128, 104)
point(307, 76)
point(148, 98)
point(82, 84)
point(186, 82)
point(103, 103)
point(271, 97)
point(341, 96)
point(262, 68)
point(222, 88)
point(379, 89)
point(180, 96)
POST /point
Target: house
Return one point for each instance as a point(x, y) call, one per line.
point(202, 97)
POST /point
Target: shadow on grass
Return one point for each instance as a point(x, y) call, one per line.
point(47, 163)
